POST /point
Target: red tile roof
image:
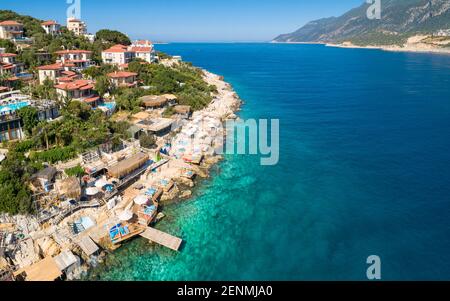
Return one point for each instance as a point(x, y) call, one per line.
point(10, 23)
point(91, 99)
point(49, 23)
point(51, 67)
point(121, 74)
point(75, 51)
point(117, 48)
point(8, 55)
point(141, 49)
point(4, 89)
point(80, 84)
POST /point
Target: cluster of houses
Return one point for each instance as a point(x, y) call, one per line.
point(66, 74)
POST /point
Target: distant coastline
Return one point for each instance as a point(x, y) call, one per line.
point(391, 48)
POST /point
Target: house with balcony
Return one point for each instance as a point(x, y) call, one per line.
point(121, 55)
point(58, 73)
point(123, 79)
point(51, 27)
point(81, 90)
point(11, 30)
point(117, 55)
point(76, 59)
point(9, 65)
point(76, 26)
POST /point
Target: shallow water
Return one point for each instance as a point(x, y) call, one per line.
point(363, 170)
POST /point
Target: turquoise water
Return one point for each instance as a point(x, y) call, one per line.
point(14, 106)
point(363, 170)
point(109, 105)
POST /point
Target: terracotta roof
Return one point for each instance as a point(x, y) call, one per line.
point(51, 67)
point(8, 54)
point(92, 99)
point(117, 48)
point(75, 51)
point(3, 89)
point(49, 23)
point(10, 23)
point(80, 84)
point(141, 49)
point(69, 73)
point(121, 74)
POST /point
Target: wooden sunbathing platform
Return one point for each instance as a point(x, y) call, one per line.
point(162, 238)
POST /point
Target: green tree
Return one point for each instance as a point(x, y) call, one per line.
point(112, 36)
point(102, 85)
point(29, 117)
point(8, 45)
point(147, 141)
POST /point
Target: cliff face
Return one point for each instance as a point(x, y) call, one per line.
point(399, 20)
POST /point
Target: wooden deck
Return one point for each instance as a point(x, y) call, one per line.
point(162, 238)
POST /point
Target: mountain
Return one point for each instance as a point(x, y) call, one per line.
point(400, 19)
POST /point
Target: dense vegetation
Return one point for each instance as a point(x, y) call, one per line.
point(80, 128)
point(112, 36)
point(183, 80)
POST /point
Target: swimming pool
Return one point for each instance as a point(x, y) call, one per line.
point(13, 106)
point(109, 105)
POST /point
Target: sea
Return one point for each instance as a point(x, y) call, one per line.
point(363, 170)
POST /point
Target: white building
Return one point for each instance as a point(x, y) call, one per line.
point(11, 30)
point(51, 27)
point(76, 26)
point(120, 54)
point(77, 59)
point(58, 73)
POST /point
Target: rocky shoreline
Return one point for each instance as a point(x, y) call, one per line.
point(39, 241)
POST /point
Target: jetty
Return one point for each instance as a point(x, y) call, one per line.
point(162, 238)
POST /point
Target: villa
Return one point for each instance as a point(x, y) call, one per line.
point(58, 73)
point(144, 50)
point(51, 27)
point(81, 59)
point(8, 64)
point(123, 79)
point(117, 55)
point(81, 90)
point(76, 26)
point(121, 55)
point(11, 30)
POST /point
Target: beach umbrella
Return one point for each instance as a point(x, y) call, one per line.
point(101, 183)
point(126, 215)
point(91, 191)
point(141, 200)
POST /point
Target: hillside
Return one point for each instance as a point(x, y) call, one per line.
point(400, 20)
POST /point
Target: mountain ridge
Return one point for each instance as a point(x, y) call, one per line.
point(400, 20)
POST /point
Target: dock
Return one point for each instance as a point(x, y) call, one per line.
point(162, 238)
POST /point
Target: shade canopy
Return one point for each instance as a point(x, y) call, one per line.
point(92, 191)
point(101, 183)
point(126, 215)
point(141, 200)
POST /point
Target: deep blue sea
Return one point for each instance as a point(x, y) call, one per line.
point(364, 170)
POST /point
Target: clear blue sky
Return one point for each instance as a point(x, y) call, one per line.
point(190, 20)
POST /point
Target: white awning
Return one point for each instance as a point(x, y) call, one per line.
point(126, 215)
point(91, 191)
point(141, 200)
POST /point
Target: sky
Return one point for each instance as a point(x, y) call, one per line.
point(190, 20)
